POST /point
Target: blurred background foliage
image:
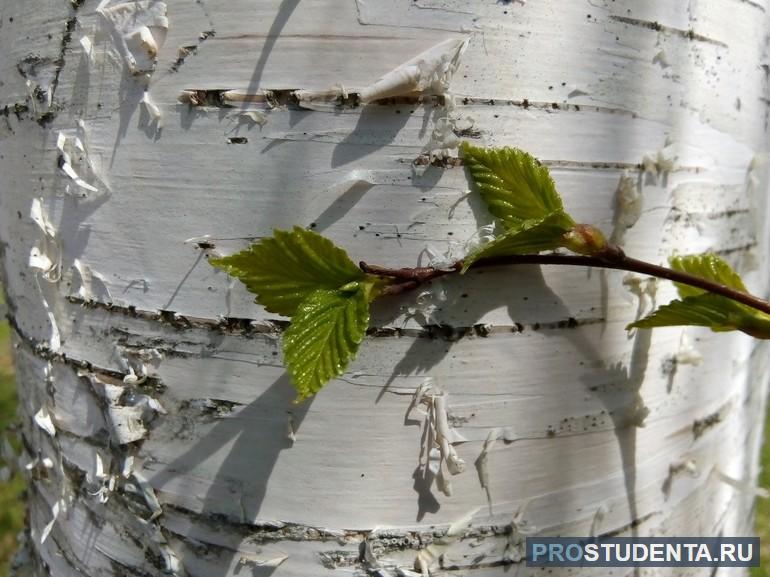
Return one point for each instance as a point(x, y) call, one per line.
point(11, 481)
point(763, 507)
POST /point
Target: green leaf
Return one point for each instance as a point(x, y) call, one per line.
point(531, 236)
point(325, 334)
point(705, 310)
point(708, 266)
point(515, 186)
point(284, 270)
point(701, 308)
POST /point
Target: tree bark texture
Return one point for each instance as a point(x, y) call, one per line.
point(158, 424)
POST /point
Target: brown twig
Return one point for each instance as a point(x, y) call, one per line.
point(420, 274)
point(413, 277)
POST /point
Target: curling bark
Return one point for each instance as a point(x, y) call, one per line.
point(158, 422)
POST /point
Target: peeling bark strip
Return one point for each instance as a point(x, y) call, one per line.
point(159, 430)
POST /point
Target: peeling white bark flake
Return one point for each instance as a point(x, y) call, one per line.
point(90, 283)
point(142, 487)
point(629, 204)
point(740, 485)
point(44, 421)
point(76, 163)
point(154, 115)
point(253, 116)
point(49, 526)
point(645, 289)
point(88, 47)
point(687, 353)
point(437, 452)
point(429, 72)
point(66, 162)
point(127, 413)
point(46, 255)
point(660, 163)
point(141, 138)
point(139, 29)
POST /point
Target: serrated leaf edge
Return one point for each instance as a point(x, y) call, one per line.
point(366, 289)
point(281, 242)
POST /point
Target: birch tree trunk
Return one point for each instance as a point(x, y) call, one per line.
point(158, 423)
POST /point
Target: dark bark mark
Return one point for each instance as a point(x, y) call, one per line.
point(248, 327)
point(296, 98)
point(689, 34)
point(229, 325)
point(753, 4)
point(17, 109)
point(190, 50)
point(42, 350)
point(735, 249)
point(632, 525)
point(451, 162)
point(700, 426)
point(29, 66)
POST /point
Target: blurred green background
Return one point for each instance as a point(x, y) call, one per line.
point(763, 508)
point(12, 491)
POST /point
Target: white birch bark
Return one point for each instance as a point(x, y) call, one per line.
point(158, 421)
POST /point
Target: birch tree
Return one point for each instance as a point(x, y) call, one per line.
point(140, 139)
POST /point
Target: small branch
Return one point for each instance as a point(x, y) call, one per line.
point(640, 266)
point(420, 274)
point(413, 277)
point(401, 287)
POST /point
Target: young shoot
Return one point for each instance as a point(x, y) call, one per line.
point(304, 276)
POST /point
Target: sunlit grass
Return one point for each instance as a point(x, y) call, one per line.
point(11, 492)
point(763, 508)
